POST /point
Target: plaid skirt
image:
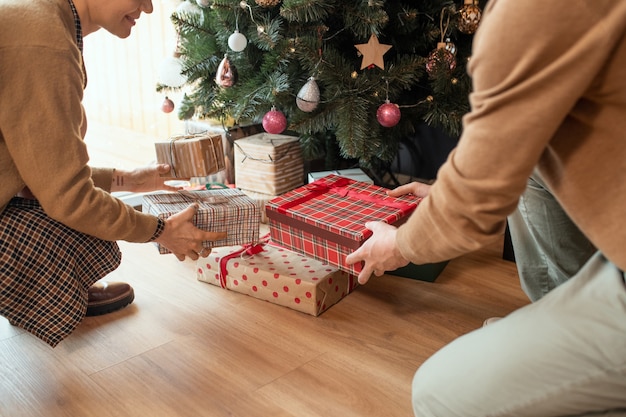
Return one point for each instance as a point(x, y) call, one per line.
point(46, 269)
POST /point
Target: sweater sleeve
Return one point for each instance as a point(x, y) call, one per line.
point(42, 79)
point(102, 178)
point(531, 62)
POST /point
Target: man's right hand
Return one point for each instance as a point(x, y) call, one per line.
point(418, 189)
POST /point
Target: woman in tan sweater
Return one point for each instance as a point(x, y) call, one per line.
point(58, 220)
point(549, 95)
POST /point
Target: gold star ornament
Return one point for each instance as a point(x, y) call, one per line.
point(373, 52)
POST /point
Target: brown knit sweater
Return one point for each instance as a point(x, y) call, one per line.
point(42, 125)
point(549, 91)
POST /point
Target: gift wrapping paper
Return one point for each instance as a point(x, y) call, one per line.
point(227, 210)
point(326, 218)
point(268, 163)
point(229, 136)
point(278, 275)
point(356, 174)
point(192, 155)
point(261, 199)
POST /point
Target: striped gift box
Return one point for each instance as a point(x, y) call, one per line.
point(191, 155)
point(269, 164)
point(227, 210)
point(326, 218)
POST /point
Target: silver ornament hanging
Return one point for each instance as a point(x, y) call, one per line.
point(226, 75)
point(309, 96)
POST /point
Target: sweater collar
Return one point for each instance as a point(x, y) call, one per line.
point(79, 31)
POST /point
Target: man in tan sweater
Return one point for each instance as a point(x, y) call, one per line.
point(549, 95)
point(58, 220)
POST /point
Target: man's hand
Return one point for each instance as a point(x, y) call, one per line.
point(143, 179)
point(418, 189)
point(379, 252)
point(183, 238)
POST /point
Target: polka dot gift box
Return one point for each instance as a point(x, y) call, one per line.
point(278, 275)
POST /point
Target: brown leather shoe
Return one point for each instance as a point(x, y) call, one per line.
point(106, 297)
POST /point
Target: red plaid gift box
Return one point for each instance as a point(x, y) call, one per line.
point(277, 275)
point(227, 210)
point(326, 218)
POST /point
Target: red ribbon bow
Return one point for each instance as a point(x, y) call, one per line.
point(340, 187)
point(249, 249)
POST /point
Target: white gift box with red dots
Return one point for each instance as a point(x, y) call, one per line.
point(277, 275)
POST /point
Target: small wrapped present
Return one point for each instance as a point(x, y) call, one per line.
point(326, 218)
point(191, 155)
point(229, 136)
point(227, 210)
point(268, 163)
point(356, 174)
point(277, 275)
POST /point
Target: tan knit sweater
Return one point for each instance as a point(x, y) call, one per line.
point(42, 123)
point(549, 91)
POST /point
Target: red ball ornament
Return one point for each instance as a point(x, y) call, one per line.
point(274, 121)
point(168, 105)
point(388, 114)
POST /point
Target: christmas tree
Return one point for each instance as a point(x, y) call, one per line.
point(351, 79)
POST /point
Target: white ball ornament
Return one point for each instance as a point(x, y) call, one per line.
point(170, 72)
point(237, 41)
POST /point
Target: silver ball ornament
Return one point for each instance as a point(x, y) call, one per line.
point(309, 96)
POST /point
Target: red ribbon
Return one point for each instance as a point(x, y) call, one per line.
point(250, 249)
point(339, 187)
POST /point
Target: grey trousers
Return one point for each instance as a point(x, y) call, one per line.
point(564, 355)
point(549, 248)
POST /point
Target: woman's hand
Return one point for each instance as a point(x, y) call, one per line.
point(143, 179)
point(183, 238)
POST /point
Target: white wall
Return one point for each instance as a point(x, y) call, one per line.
point(123, 73)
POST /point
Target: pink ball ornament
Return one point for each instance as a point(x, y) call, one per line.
point(274, 121)
point(388, 114)
point(167, 106)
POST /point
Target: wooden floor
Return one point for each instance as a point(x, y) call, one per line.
point(187, 348)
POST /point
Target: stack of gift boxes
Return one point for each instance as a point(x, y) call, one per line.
point(300, 264)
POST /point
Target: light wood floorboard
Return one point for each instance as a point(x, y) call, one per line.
point(187, 348)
